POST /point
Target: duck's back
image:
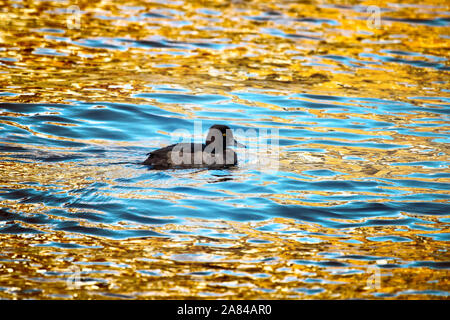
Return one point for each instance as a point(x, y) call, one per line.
point(188, 155)
point(165, 158)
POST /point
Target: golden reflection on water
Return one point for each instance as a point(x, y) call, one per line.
point(248, 263)
point(257, 59)
point(248, 267)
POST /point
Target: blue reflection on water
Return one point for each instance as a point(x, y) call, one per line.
point(62, 133)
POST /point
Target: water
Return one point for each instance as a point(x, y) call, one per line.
point(357, 206)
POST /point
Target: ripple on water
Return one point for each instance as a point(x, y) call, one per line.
point(362, 177)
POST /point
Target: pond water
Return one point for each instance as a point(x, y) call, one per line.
point(350, 97)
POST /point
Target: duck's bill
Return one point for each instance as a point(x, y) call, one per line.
point(239, 145)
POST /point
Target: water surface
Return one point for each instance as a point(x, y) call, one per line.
point(360, 113)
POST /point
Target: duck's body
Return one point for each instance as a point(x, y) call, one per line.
point(189, 155)
point(212, 154)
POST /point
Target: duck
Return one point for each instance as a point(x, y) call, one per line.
point(214, 153)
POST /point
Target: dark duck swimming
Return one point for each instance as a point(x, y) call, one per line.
point(214, 153)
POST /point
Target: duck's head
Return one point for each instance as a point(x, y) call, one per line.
point(222, 136)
